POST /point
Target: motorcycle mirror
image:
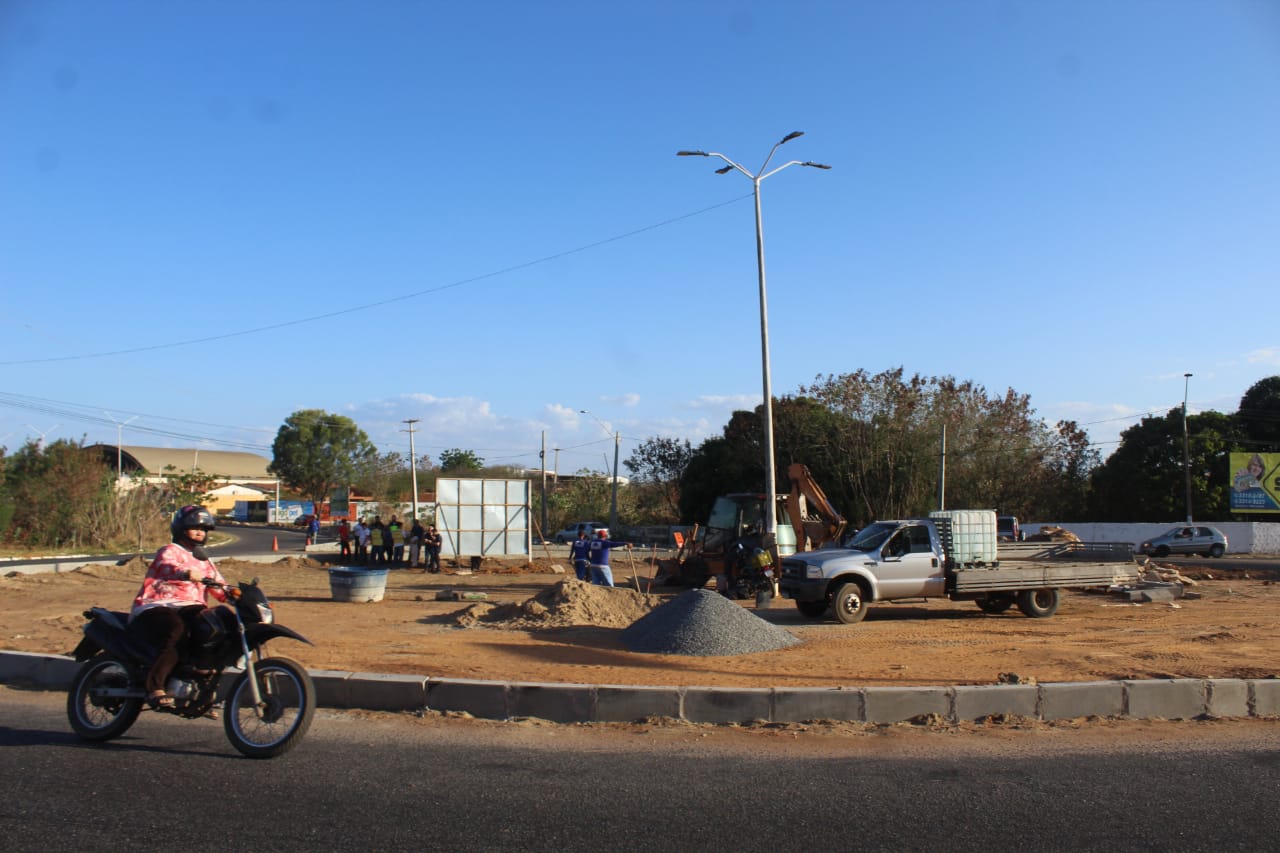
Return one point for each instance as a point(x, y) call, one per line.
point(254, 582)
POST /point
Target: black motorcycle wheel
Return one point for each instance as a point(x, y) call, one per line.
point(288, 704)
point(94, 716)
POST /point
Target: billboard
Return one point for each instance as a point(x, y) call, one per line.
point(1255, 482)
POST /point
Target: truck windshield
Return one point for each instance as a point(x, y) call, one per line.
point(871, 537)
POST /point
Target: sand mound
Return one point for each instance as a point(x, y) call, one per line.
point(701, 622)
point(569, 602)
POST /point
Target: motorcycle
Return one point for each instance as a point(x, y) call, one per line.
point(266, 710)
point(752, 575)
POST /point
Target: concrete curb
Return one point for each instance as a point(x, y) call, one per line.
point(1169, 699)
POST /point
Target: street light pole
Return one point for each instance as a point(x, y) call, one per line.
point(1186, 444)
point(770, 476)
point(617, 443)
point(413, 465)
point(120, 425)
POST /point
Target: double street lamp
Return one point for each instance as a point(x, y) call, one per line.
point(770, 484)
point(617, 441)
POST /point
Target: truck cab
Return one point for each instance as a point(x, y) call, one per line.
point(882, 561)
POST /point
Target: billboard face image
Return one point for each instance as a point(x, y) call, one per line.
point(1255, 482)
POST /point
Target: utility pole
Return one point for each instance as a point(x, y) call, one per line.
point(942, 472)
point(542, 457)
point(413, 465)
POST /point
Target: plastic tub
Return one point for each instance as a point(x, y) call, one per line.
point(352, 583)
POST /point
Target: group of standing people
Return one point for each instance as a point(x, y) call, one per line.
point(591, 556)
point(377, 543)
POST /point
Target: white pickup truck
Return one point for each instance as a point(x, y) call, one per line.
point(950, 554)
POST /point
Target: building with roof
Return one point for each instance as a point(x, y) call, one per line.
point(235, 472)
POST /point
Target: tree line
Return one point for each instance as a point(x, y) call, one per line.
point(875, 443)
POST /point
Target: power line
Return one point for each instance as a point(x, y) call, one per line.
point(284, 324)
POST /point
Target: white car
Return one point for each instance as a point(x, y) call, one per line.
point(570, 533)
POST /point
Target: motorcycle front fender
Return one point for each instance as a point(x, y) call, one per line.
point(259, 633)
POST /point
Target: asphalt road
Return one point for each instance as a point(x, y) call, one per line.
point(244, 541)
point(384, 782)
point(248, 540)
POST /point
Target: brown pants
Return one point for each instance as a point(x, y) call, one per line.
point(164, 627)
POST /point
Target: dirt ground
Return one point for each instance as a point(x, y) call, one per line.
point(1226, 628)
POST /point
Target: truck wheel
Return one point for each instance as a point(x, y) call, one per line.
point(995, 602)
point(811, 609)
point(1215, 551)
point(1038, 603)
point(849, 604)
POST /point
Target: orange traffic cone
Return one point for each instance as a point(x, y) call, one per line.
point(275, 545)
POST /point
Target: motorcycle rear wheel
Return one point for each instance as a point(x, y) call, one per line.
point(94, 716)
point(288, 704)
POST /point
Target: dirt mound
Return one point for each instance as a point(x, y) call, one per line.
point(245, 567)
point(569, 602)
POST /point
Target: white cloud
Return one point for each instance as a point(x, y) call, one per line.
point(1269, 356)
point(727, 403)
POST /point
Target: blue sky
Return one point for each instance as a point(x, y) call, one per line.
point(215, 214)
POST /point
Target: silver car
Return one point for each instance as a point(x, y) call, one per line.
point(1187, 539)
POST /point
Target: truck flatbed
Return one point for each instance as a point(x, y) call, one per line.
point(1045, 565)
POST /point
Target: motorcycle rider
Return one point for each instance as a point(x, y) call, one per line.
point(172, 596)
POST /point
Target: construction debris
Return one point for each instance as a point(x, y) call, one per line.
point(1049, 533)
point(460, 595)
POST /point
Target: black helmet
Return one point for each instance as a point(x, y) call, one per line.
point(189, 517)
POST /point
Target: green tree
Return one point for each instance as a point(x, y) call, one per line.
point(377, 475)
point(874, 444)
point(54, 491)
point(1259, 416)
point(657, 466)
point(1145, 478)
point(315, 451)
point(455, 461)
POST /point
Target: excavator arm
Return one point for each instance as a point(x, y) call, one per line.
point(815, 521)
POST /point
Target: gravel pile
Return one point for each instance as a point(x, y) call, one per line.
point(704, 623)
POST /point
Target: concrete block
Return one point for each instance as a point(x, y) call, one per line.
point(985, 700)
point(487, 699)
point(615, 703)
point(1069, 700)
point(1167, 699)
point(1159, 593)
point(379, 692)
point(333, 688)
point(560, 703)
point(1228, 697)
point(799, 704)
point(727, 705)
point(1265, 699)
point(895, 704)
point(47, 672)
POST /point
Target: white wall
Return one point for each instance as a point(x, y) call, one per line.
point(1243, 537)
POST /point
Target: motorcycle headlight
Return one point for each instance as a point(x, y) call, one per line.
point(266, 613)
